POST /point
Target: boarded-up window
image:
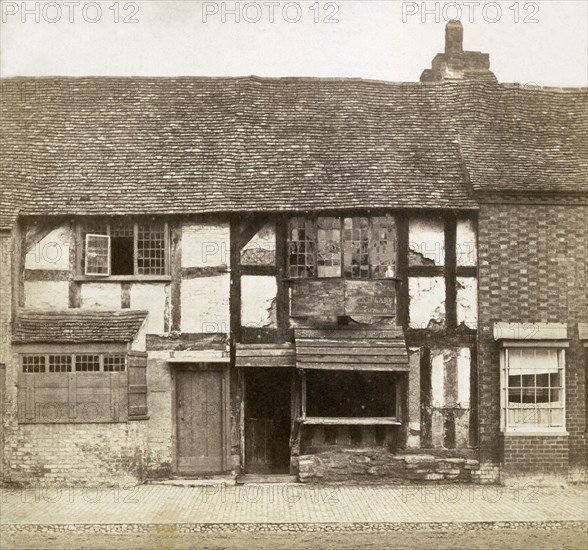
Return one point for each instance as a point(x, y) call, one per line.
point(328, 247)
point(356, 247)
point(302, 239)
point(97, 390)
point(97, 255)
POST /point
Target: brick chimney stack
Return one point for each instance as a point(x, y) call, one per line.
point(455, 63)
point(453, 38)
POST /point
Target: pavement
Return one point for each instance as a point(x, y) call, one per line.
point(294, 505)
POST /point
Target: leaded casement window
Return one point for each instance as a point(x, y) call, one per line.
point(302, 241)
point(533, 389)
point(120, 248)
point(357, 247)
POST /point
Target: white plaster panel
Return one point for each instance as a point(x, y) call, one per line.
point(261, 249)
point(438, 379)
point(150, 297)
point(413, 439)
point(426, 237)
point(139, 342)
point(465, 242)
point(467, 301)
point(206, 244)
point(52, 251)
point(205, 304)
point(463, 377)
point(101, 295)
point(158, 374)
point(46, 294)
point(427, 301)
point(258, 301)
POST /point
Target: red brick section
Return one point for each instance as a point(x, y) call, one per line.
point(532, 268)
point(530, 453)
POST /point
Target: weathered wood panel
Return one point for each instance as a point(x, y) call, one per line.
point(335, 350)
point(265, 355)
point(355, 359)
point(259, 433)
point(137, 385)
point(318, 298)
point(376, 298)
point(350, 421)
point(77, 397)
point(199, 406)
point(327, 297)
point(351, 350)
point(346, 334)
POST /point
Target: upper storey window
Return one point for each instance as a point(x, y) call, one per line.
point(351, 247)
point(120, 248)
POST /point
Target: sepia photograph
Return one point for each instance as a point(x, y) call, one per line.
point(308, 274)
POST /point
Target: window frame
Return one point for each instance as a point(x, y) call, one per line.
point(89, 227)
point(73, 364)
point(530, 429)
point(350, 420)
point(313, 219)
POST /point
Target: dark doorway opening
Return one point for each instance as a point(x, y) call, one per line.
point(267, 420)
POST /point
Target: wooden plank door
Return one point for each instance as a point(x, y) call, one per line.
point(259, 442)
point(200, 412)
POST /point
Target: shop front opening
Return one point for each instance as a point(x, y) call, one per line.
point(350, 409)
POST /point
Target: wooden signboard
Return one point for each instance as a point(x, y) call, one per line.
point(317, 298)
point(338, 297)
point(377, 298)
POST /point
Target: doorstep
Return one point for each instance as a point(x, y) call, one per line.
point(266, 478)
point(202, 481)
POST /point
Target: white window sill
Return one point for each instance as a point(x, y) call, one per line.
point(542, 432)
point(123, 278)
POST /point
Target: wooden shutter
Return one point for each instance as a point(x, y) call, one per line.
point(43, 398)
point(137, 369)
point(101, 397)
point(75, 397)
point(97, 255)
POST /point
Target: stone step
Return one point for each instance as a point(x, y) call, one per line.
point(266, 478)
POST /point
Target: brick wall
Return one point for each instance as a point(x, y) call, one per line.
point(532, 268)
point(529, 453)
point(117, 454)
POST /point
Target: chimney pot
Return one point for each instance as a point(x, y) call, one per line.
point(453, 38)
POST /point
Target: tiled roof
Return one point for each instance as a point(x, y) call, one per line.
point(527, 139)
point(77, 326)
point(194, 145)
